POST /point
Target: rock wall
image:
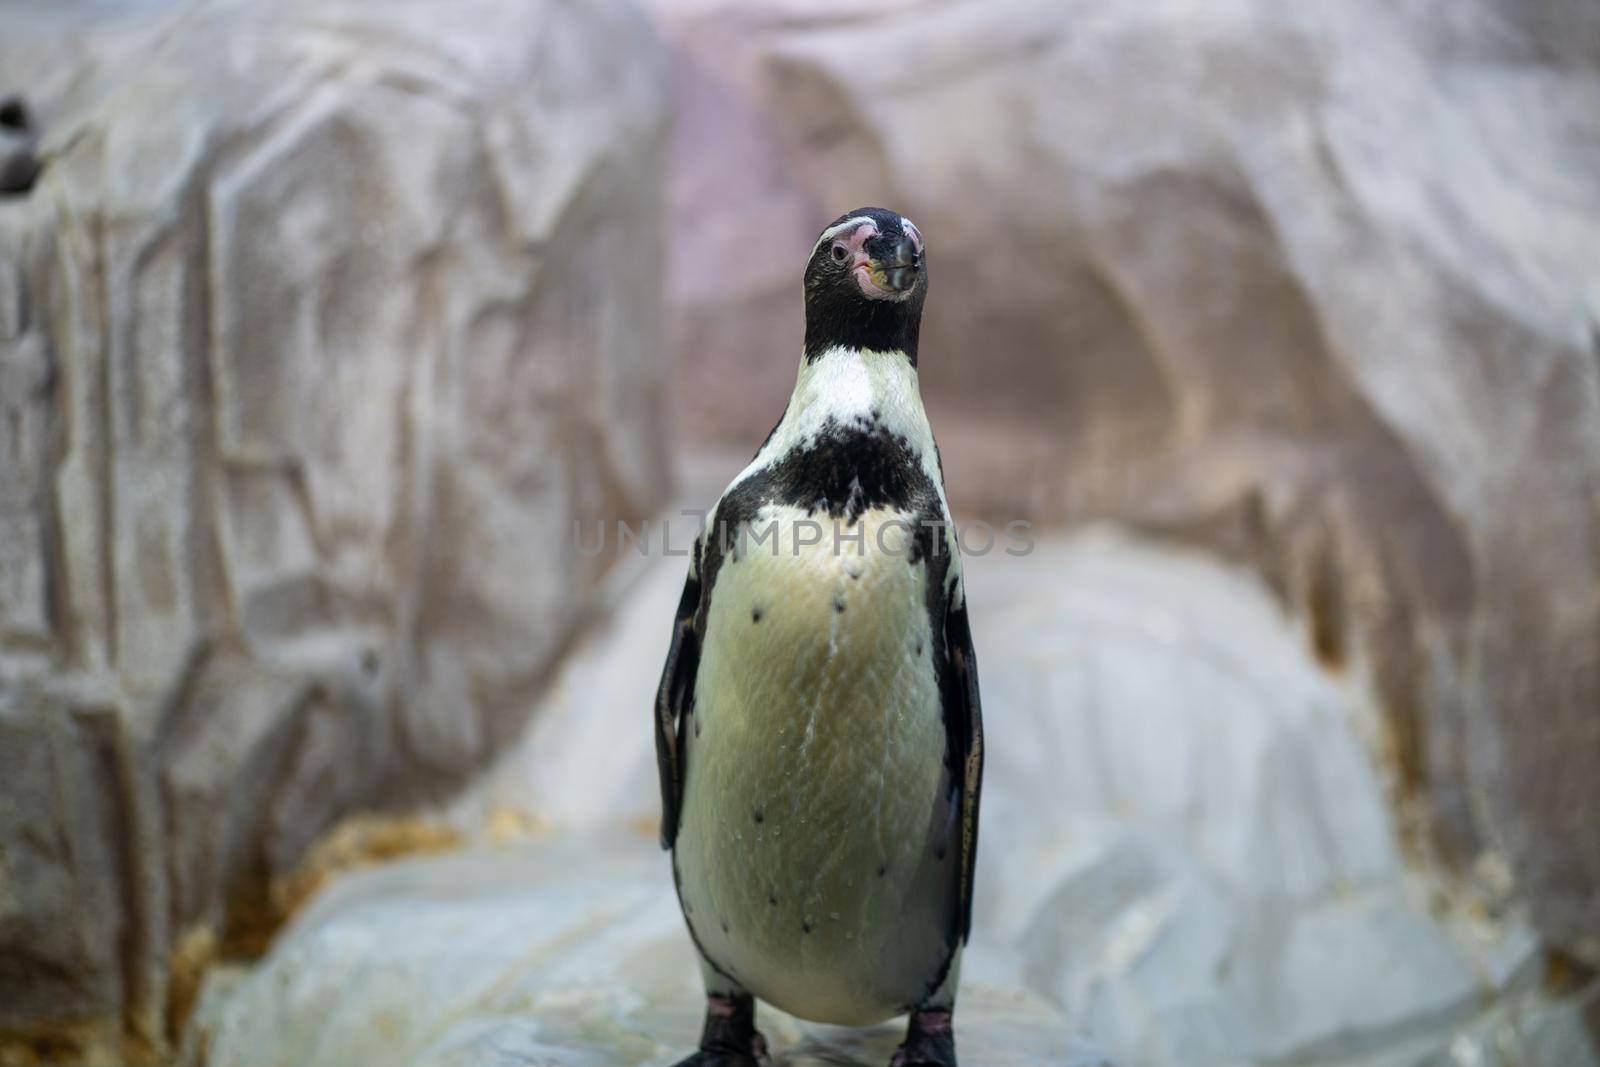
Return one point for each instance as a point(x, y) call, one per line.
point(1313, 285)
point(319, 327)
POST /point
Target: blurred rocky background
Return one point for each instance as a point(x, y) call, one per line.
point(314, 317)
point(321, 323)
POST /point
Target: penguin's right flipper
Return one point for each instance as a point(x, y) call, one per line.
point(963, 717)
point(674, 702)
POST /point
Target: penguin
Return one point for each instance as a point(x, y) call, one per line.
point(819, 734)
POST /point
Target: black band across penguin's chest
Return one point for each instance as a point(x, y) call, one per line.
point(840, 473)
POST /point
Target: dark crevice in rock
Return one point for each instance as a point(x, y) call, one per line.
point(19, 160)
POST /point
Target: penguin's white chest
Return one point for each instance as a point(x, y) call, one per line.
point(813, 856)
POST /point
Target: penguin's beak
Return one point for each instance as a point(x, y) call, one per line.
point(887, 266)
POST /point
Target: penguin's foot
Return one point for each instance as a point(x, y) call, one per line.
point(930, 1041)
point(730, 1037)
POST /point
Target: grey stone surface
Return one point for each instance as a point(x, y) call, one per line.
point(568, 953)
point(1188, 860)
point(19, 139)
point(1189, 839)
point(320, 326)
point(1313, 285)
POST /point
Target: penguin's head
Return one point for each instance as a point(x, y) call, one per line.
point(865, 284)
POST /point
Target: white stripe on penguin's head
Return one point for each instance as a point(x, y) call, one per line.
point(912, 232)
point(847, 225)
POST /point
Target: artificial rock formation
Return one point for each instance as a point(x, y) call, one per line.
point(563, 954)
point(319, 327)
point(1312, 285)
point(1188, 861)
point(19, 161)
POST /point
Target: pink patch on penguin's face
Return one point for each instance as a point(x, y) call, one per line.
point(861, 263)
point(847, 248)
point(850, 249)
point(855, 241)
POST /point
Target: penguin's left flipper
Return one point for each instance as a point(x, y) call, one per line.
point(930, 1041)
point(963, 719)
point(674, 703)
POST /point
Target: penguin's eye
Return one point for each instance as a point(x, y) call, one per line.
point(840, 253)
